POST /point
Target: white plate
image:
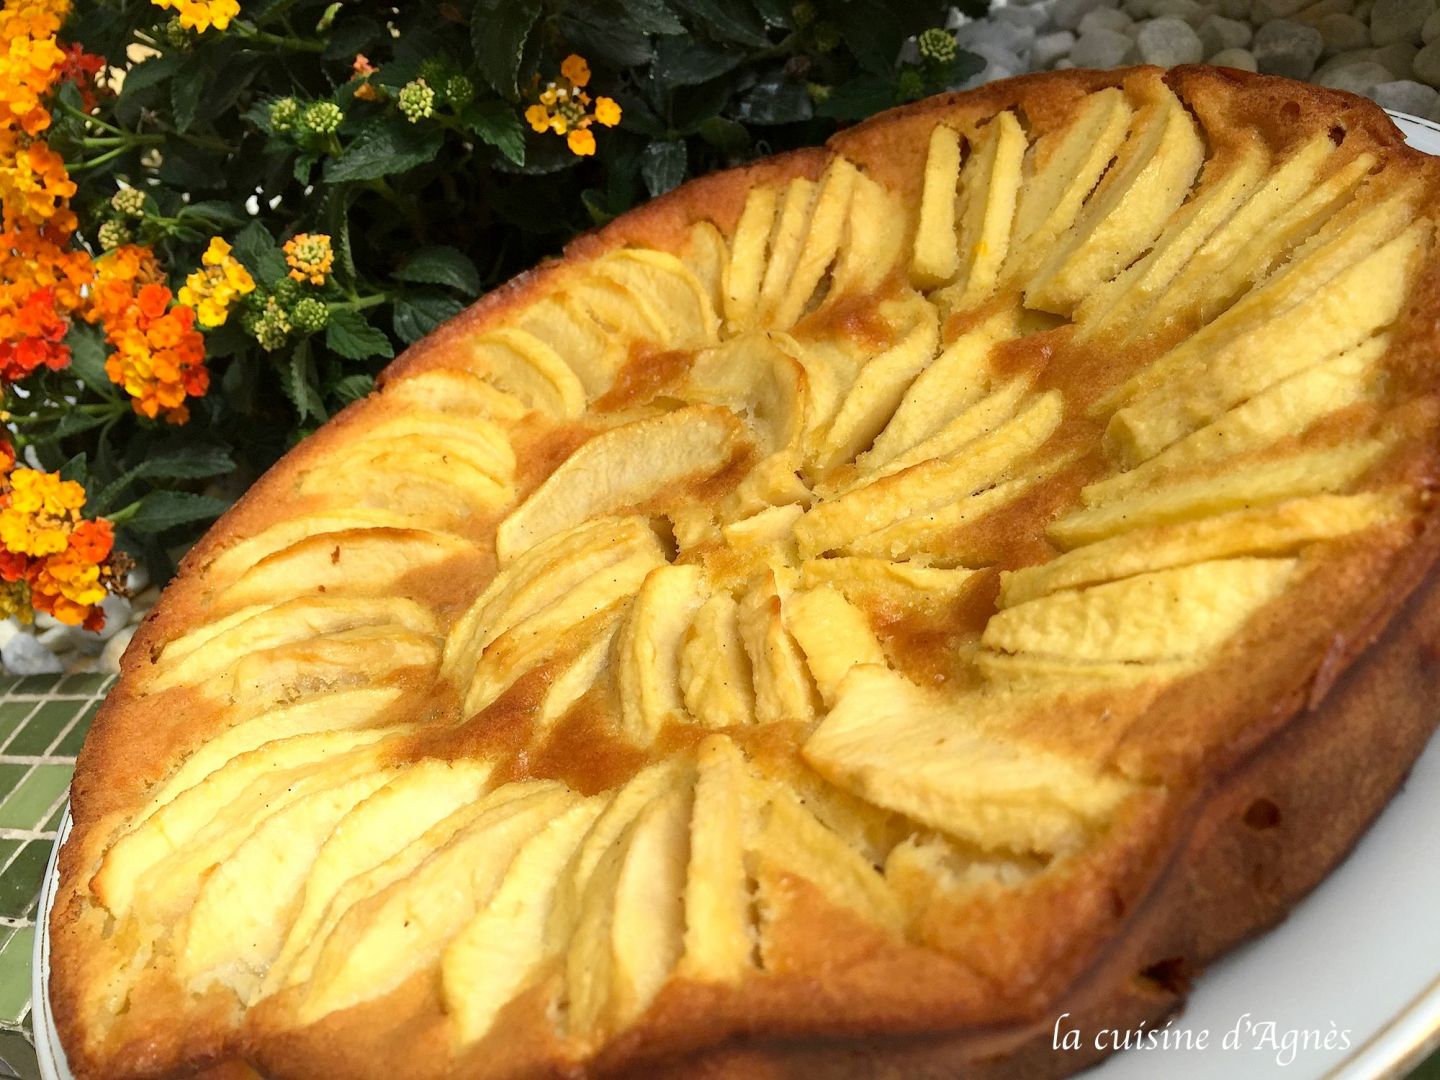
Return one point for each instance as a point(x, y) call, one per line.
point(1358, 962)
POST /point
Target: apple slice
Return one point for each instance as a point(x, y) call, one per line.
point(783, 687)
point(874, 243)
point(787, 242)
point(989, 190)
point(784, 297)
point(386, 937)
point(352, 562)
point(715, 677)
point(749, 249)
point(623, 467)
point(1151, 178)
point(234, 560)
point(166, 829)
point(541, 577)
point(956, 379)
point(1284, 409)
point(455, 391)
point(344, 659)
point(242, 911)
point(1119, 301)
point(718, 946)
point(296, 620)
point(1037, 674)
point(1279, 529)
point(940, 762)
point(936, 259)
point(480, 442)
point(563, 324)
point(1168, 614)
point(521, 364)
point(872, 399)
point(864, 579)
point(931, 485)
point(755, 376)
point(1280, 213)
point(1064, 166)
point(1235, 488)
point(426, 481)
point(420, 799)
point(978, 419)
point(574, 679)
point(834, 635)
point(648, 662)
point(498, 952)
point(707, 254)
point(677, 296)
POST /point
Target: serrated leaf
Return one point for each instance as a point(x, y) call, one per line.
point(417, 315)
point(352, 388)
point(391, 145)
point(300, 384)
point(862, 96)
point(683, 61)
point(75, 469)
point(256, 248)
point(727, 136)
point(774, 100)
point(351, 35)
point(497, 124)
point(662, 166)
point(162, 510)
point(652, 17)
point(151, 73)
point(347, 334)
point(213, 212)
point(606, 41)
point(187, 463)
point(187, 90)
point(729, 20)
point(499, 31)
point(441, 266)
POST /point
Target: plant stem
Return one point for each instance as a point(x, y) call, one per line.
point(103, 159)
point(360, 303)
point(284, 41)
point(70, 110)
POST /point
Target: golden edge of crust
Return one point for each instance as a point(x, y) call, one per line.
point(113, 772)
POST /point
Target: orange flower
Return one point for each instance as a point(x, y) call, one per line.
point(576, 69)
point(581, 142)
point(563, 107)
point(30, 61)
point(159, 356)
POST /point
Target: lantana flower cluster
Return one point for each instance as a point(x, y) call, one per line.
point(52, 558)
point(564, 108)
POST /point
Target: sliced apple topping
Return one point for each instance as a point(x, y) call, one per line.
point(522, 364)
point(874, 242)
point(624, 467)
point(784, 689)
point(650, 646)
point(834, 635)
point(679, 300)
point(1161, 615)
point(936, 257)
point(567, 327)
point(455, 391)
point(706, 253)
point(989, 191)
point(715, 676)
point(1151, 178)
point(936, 761)
point(749, 248)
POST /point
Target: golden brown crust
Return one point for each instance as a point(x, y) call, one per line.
point(1323, 734)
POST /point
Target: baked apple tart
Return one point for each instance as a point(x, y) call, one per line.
point(839, 618)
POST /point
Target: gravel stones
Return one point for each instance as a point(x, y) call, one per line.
point(1168, 41)
point(1407, 96)
point(1359, 78)
point(1243, 59)
point(1218, 33)
point(1399, 20)
point(1342, 32)
point(1287, 48)
point(1102, 49)
point(24, 655)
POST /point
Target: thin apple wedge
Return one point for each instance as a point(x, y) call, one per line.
point(649, 648)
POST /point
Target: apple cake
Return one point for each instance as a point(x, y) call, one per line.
point(840, 618)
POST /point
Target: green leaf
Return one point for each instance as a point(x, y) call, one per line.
point(72, 423)
point(351, 35)
point(190, 462)
point(257, 249)
point(392, 145)
point(729, 20)
point(75, 469)
point(727, 136)
point(300, 383)
point(499, 31)
point(162, 510)
point(662, 166)
point(607, 41)
point(347, 334)
point(862, 96)
point(418, 314)
point(187, 90)
point(499, 125)
point(151, 73)
point(687, 61)
point(213, 212)
point(774, 100)
point(442, 266)
point(353, 388)
point(87, 358)
point(652, 17)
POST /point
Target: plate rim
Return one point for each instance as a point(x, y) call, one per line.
point(1397, 1047)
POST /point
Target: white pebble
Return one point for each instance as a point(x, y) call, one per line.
point(1235, 9)
point(1398, 58)
point(1312, 15)
point(8, 629)
point(1427, 64)
point(1342, 32)
point(1218, 32)
point(1111, 19)
point(1234, 58)
point(1169, 41)
point(1286, 48)
point(996, 56)
point(1064, 65)
point(1189, 10)
point(1263, 11)
point(1431, 30)
point(1066, 14)
point(1358, 78)
point(1049, 48)
point(1398, 20)
point(1102, 49)
point(985, 34)
point(1033, 17)
point(1407, 96)
point(24, 655)
point(109, 661)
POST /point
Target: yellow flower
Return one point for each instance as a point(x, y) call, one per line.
point(574, 68)
point(607, 111)
point(309, 257)
point(538, 117)
point(581, 142)
point(41, 512)
point(214, 288)
point(200, 15)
